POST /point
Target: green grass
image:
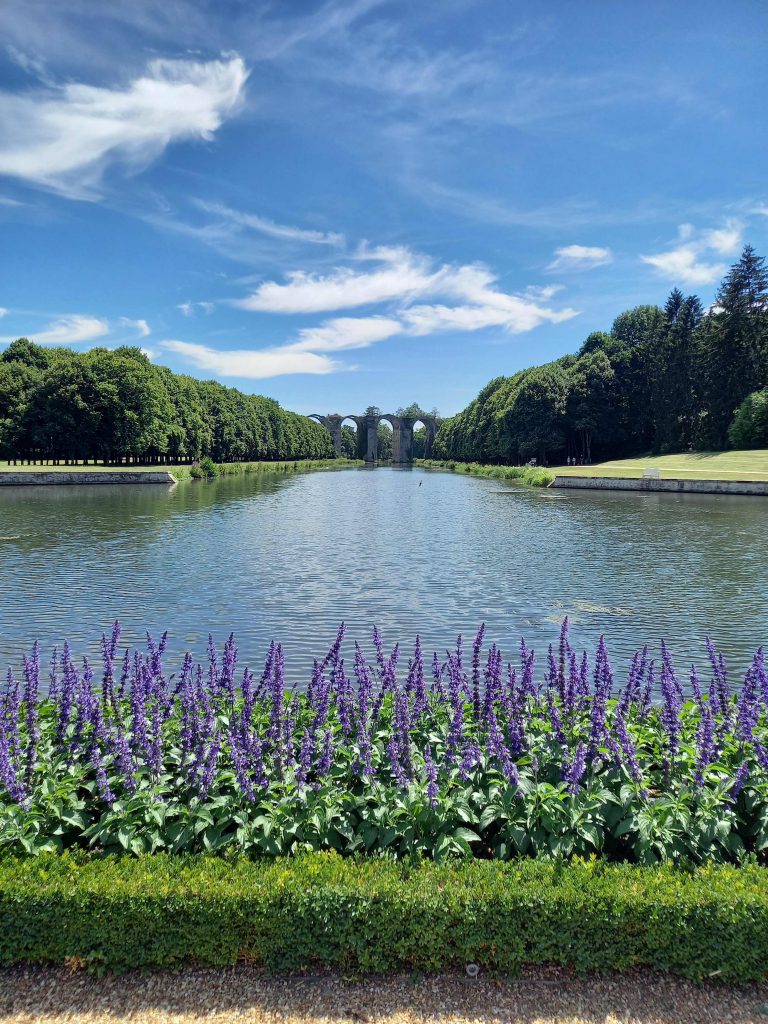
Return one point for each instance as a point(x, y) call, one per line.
point(182, 472)
point(736, 465)
point(533, 476)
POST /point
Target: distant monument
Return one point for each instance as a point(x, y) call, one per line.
point(368, 429)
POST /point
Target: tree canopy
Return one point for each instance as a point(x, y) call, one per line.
point(116, 405)
point(663, 380)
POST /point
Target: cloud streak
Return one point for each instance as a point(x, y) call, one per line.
point(265, 226)
point(63, 139)
point(398, 279)
point(580, 257)
point(249, 363)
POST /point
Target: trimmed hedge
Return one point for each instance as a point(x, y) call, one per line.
point(378, 915)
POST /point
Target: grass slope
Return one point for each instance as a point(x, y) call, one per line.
point(737, 465)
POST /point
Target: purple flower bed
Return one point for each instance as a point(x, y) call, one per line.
point(460, 755)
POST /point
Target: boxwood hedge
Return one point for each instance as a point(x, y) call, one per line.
point(377, 915)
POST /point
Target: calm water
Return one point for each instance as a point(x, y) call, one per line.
point(289, 557)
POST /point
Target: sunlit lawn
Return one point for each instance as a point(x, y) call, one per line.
point(737, 465)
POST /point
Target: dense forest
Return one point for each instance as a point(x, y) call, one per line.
point(115, 405)
point(665, 379)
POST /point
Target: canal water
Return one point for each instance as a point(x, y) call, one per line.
point(289, 556)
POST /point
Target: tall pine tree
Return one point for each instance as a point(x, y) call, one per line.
point(734, 346)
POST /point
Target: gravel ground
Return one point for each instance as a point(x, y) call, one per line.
point(244, 994)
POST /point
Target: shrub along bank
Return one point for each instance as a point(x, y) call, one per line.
point(321, 910)
point(534, 476)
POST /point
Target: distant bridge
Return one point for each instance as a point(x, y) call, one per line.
point(368, 431)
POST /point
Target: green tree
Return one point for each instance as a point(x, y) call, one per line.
point(749, 427)
point(734, 346)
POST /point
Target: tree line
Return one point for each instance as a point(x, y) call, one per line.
point(662, 380)
point(116, 406)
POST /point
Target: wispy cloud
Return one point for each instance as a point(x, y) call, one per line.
point(399, 280)
point(345, 333)
point(265, 226)
point(3, 312)
point(401, 273)
point(140, 326)
point(80, 327)
point(689, 261)
point(190, 308)
point(402, 277)
point(255, 364)
point(64, 138)
point(580, 257)
point(68, 330)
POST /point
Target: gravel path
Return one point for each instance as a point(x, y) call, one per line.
point(244, 994)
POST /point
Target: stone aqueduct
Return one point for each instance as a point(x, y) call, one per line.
point(368, 431)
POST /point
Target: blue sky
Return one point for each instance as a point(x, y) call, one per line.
point(365, 202)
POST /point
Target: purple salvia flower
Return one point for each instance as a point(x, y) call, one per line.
point(210, 765)
point(748, 712)
point(739, 780)
point(705, 745)
point(497, 748)
point(696, 687)
point(477, 647)
point(627, 748)
point(240, 766)
point(306, 753)
point(575, 768)
point(471, 755)
point(554, 718)
point(326, 755)
point(31, 691)
point(393, 752)
point(430, 769)
point(564, 651)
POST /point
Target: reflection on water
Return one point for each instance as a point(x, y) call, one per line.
point(289, 557)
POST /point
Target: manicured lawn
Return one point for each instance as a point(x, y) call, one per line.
point(736, 465)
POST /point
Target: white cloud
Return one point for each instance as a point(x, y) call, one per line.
point(64, 138)
point(140, 326)
point(269, 227)
point(725, 240)
point(688, 262)
point(346, 332)
point(150, 353)
point(188, 308)
point(399, 278)
point(683, 264)
point(70, 329)
point(401, 274)
point(580, 257)
point(254, 364)
point(3, 311)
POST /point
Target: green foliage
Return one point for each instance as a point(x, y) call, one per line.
point(534, 476)
point(749, 427)
point(662, 380)
point(384, 434)
point(320, 911)
point(115, 405)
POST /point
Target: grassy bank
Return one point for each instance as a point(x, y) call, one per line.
point(183, 471)
point(374, 915)
point(736, 465)
point(532, 476)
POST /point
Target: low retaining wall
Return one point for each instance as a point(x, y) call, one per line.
point(41, 478)
point(623, 483)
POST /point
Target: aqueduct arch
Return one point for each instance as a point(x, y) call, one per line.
point(368, 432)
